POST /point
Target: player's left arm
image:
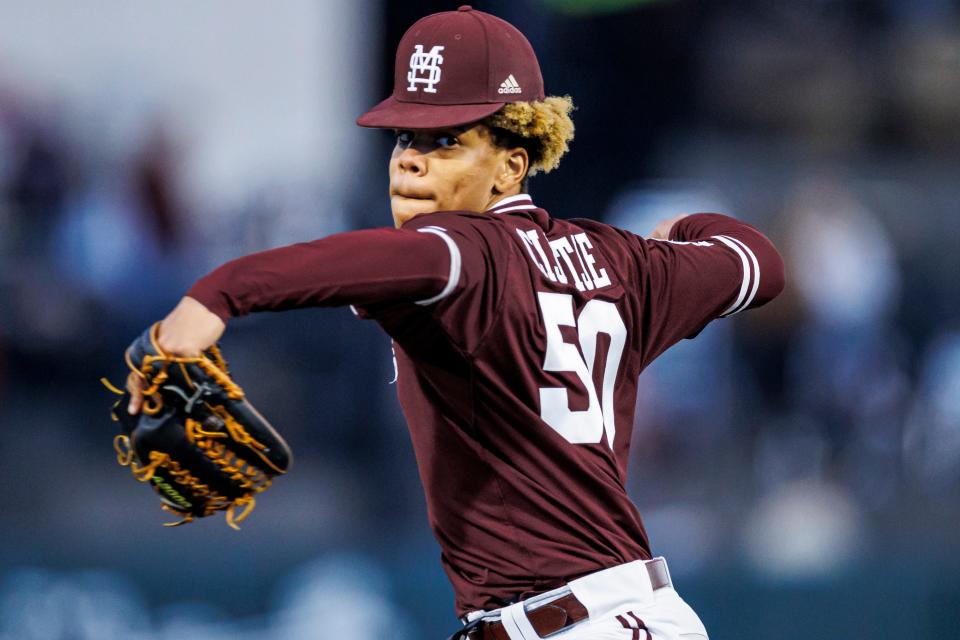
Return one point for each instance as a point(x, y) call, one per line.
point(427, 262)
point(352, 268)
point(357, 267)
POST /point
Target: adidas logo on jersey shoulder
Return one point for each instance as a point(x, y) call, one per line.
point(510, 85)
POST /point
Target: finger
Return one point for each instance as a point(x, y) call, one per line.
point(135, 387)
point(658, 233)
point(171, 339)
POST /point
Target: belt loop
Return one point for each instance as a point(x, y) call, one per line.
point(666, 569)
point(463, 634)
point(516, 624)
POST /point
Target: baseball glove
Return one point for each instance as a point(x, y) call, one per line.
point(197, 441)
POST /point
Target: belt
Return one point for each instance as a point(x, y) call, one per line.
point(555, 615)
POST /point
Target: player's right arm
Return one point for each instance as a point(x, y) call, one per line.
point(708, 266)
point(358, 267)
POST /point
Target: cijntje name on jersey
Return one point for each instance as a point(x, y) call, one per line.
point(560, 266)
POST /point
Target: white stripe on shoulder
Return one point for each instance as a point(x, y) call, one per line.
point(694, 243)
point(455, 263)
point(745, 283)
point(756, 273)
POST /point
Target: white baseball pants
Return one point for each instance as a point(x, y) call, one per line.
point(622, 606)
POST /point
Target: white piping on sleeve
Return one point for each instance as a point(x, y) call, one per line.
point(756, 274)
point(744, 285)
point(455, 264)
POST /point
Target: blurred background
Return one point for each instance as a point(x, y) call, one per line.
point(799, 466)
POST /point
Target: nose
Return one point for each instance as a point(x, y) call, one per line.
point(413, 161)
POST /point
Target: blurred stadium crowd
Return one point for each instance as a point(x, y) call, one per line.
point(802, 460)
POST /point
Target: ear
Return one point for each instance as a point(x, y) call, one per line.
point(514, 164)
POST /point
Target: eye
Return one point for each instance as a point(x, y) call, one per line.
point(404, 138)
point(447, 141)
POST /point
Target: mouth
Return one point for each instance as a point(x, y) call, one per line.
point(410, 196)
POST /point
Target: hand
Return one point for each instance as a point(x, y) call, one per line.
point(662, 230)
point(186, 331)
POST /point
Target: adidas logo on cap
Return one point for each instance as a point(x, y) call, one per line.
point(510, 85)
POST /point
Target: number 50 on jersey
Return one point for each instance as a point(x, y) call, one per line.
point(598, 316)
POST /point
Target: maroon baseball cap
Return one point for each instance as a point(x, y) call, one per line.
point(457, 67)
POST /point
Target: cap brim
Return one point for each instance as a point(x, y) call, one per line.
point(393, 114)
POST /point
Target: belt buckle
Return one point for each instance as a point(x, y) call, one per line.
point(568, 615)
point(564, 628)
point(535, 604)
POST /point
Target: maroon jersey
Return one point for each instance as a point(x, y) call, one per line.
point(519, 339)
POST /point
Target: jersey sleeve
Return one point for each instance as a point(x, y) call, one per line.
point(354, 268)
point(479, 262)
point(713, 266)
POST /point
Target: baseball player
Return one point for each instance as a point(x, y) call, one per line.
point(519, 337)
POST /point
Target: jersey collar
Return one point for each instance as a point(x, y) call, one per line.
point(519, 202)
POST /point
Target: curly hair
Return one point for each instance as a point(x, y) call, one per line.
point(543, 128)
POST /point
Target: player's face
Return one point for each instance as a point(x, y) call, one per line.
point(453, 169)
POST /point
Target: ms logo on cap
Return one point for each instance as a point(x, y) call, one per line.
point(456, 67)
point(425, 68)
